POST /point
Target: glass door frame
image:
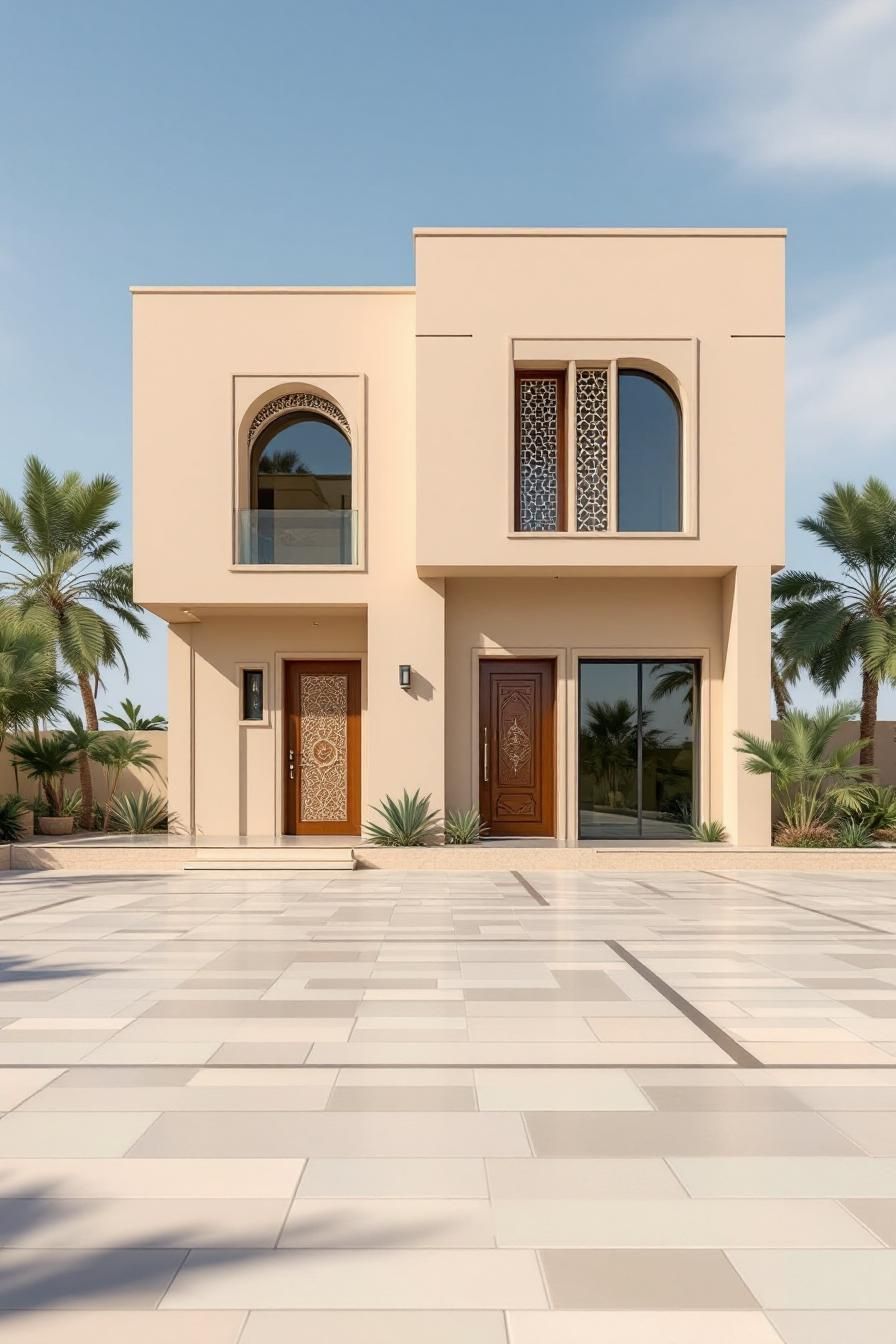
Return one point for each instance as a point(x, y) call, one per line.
point(639, 661)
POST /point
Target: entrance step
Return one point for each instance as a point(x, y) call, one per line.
point(272, 859)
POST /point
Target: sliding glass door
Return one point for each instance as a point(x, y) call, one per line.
point(637, 749)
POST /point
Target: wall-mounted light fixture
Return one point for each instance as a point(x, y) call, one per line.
point(404, 676)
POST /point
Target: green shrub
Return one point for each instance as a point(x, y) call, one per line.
point(408, 821)
point(464, 827)
point(141, 813)
point(854, 833)
point(711, 832)
point(811, 835)
point(11, 809)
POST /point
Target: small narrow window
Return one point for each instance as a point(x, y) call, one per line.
point(253, 695)
point(540, 455)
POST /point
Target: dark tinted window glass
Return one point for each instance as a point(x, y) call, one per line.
point(637, 756)
point(253, 694)
point(649, 468)
point(306, 464)
point(608, 750)
point(668, 692)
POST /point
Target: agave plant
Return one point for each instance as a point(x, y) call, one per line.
point(11, 828)
point(464, 827)
point(811, 779)
point(853, 833)
point(141, 813)
point(408, 821)
point(711, 832)
point(117, 754)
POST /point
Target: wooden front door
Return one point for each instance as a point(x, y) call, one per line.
point(323, 748)
point(516, 746)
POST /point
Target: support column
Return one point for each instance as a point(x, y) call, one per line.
point(746, 699)
point(181, 726)
point(406, 728)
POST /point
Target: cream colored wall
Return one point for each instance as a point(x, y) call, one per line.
point(132, 781)
point(568, 619)
point(708, 309)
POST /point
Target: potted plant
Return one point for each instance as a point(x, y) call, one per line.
point(48, 758)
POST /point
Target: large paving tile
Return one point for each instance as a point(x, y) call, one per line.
point(877, 1214)
point(642, 1327)
point(363, 1280)
point(643, 1280)
point(373, 1098)
point(17, 1084)
point(334, 1134)
point(71, 1134)
point(673, 1133)
point(720, 1098)
point(137, 1327)
point(107, 1279)
point(676, 1223)
point(394, 1177)
point(558, 1089)
point(152, 1178)
point(819, 1280)
point(585, 1178)
point(835, 1327)
point(353, 1224)
point(873, 1131)
point(376, 1327)
point(786, 1177)
point(69, 1224)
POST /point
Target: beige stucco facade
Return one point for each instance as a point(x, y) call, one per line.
point(440, 576)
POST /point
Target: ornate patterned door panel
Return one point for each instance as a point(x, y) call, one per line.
point(516, 746)
point(323, 748)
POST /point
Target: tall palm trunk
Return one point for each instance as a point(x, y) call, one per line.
point(868, 718)
point(780, 693)
point(85, 820)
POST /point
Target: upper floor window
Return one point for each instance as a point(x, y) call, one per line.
point(649, 454)
point(300, 485)
point(630, 484)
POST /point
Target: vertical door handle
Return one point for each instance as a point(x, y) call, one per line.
point(485, 755)
point(292, 764)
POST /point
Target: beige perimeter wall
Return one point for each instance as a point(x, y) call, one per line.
point(131, 781)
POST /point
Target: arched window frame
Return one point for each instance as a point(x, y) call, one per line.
point(599, 375)
point(339, 398)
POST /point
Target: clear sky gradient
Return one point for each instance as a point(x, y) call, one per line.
point(212, 142)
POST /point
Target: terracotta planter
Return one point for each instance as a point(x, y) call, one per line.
point(56, 825)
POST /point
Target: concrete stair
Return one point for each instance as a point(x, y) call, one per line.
point(272, 859)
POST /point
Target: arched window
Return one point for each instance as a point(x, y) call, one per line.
point(649, 454)
point(300, 483)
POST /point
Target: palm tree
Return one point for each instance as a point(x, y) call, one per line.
point(784, 672)
point(29, 688)
point(131, 720)
point(48, 758)
point(56, 544)
point(830, 625)
point(810, 778)
point(675, 679)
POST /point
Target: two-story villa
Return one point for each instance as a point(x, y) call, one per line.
point(505, 535)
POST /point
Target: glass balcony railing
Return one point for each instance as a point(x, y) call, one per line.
point(297, 537)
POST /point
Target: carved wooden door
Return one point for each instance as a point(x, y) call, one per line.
point(516, 746)
point(323, 748)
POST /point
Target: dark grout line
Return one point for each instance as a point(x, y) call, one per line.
point(528, 887)
point(733, 1049)
point(809, 909)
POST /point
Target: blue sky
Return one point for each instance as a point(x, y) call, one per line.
point(223, 143)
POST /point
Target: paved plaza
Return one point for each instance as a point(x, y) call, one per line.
point(535, 1108)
